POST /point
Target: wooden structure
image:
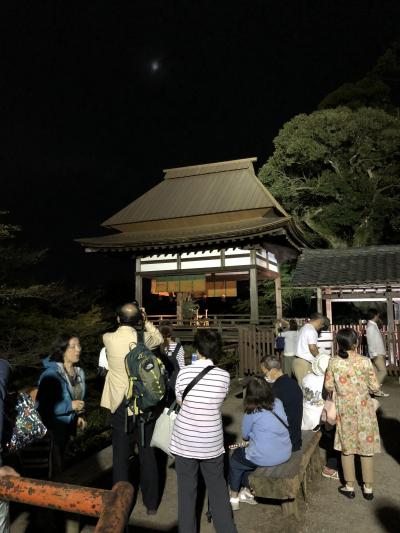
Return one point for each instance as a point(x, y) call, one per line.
point(202, 229)
point(254, 343)
point(369, 274)
point(283, 482)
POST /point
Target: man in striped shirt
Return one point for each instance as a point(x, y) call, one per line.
point(197, 439)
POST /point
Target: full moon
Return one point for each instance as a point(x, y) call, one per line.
point(154, 66)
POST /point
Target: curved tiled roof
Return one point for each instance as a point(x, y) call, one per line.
point(352, 267)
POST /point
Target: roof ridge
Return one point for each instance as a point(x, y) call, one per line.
point(220, 171)
point(229, 162)
point(355, 250)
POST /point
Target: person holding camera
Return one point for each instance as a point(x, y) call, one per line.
point(130, 317)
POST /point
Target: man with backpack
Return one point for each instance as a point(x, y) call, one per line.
point(135, 336)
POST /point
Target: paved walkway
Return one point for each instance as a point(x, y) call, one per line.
point(325, 512)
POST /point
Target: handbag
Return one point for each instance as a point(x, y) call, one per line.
point(22, 422)
point(164, 425)
point(329, 411)
point(163, 428)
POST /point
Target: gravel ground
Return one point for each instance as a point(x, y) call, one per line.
point(326, 511)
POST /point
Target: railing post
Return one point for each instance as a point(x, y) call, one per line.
point(112, 506)
point(115, 513)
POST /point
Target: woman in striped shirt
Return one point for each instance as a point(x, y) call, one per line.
point(197, 438)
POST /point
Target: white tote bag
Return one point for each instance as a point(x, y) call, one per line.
point(163, 428)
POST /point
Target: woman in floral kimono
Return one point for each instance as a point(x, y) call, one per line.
point(352, 378)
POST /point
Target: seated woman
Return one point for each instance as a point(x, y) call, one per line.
point(60, 395)
point(265, 427)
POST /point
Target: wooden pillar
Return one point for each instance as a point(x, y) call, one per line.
point(278, 297)
point(328, 305)
point(181, 299)
point(179, 308)
point(254, 318)
point(138, 283)
point(390, 330)
point(319, 300)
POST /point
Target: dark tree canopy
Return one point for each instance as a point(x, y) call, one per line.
point(337, 172)
point(380, 87)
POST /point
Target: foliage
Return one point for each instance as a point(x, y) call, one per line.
point(28, 332)
point(367, 92)
point(266, 294)
point(15, 267)
point(337, 172)
point(379, 88)
point(33, 314)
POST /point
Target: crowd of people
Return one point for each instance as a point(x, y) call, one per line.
point(287, 397)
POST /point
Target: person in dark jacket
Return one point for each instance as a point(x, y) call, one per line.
point(60, 398)
point(172, 355)
point(4, 470)
point(290, 394)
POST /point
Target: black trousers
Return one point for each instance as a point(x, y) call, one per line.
point(123, 436)
point(187, 471)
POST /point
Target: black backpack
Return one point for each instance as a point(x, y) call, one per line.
point(147, 380)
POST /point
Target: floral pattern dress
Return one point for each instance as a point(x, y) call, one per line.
point(357, 429)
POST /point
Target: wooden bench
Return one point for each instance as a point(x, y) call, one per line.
point(284, 481)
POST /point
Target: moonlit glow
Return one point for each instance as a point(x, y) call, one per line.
point(154, 66)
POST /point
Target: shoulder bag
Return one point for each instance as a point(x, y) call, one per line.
point(22, 422)
point(165, 422)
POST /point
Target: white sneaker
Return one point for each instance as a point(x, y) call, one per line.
point(382, 394)
point(246, 496)
point(234, 504)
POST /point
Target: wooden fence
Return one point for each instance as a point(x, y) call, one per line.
point(255, 342)
point(392, 349)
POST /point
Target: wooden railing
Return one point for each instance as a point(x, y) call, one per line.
point(227, 325)
point(392, 348)
point(257, 341)
point(215, 320)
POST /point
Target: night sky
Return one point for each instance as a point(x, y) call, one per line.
point(98, 97)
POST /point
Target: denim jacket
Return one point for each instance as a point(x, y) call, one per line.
point(55, 394)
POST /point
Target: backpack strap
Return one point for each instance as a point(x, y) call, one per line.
point(199, 376)
point(140, 336)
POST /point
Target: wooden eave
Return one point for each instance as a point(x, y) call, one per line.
point(230, 234)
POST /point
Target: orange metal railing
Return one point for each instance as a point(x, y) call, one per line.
point(111, 506)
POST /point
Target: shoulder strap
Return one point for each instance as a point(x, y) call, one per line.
point(196, 380)
point(176, 350)
point(140, 336)
point(280, 420)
